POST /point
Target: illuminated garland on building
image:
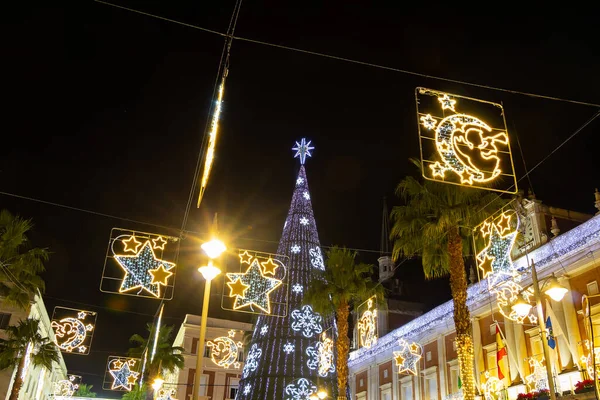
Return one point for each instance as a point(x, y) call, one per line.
point(325, 356)
point(408, 357)
point(466, 146)
point(367, 325)
point(120, 368)
point(73, 329)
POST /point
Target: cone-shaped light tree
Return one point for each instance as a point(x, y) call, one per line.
point(282, 359)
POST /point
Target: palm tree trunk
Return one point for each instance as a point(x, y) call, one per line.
point(14, 394)
point(343, 348)
point(462, 317)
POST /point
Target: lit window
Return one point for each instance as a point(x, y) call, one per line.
point(592, 288)
point(428, 356)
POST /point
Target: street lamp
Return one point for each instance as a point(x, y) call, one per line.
point(320, 395)
point(213, 249)
point(157, 384)
point(555, 291)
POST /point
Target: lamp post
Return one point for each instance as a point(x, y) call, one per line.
point(555, 291)
point(320, 395)
point(213, 249)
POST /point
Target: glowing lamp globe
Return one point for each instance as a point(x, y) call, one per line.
point(322, 394)
point(209, 272)
point(313, 397)
point(214, 248)
point(555, 290)
point(521, 307)
point(157, 384)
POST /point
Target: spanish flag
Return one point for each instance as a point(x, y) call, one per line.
point(501, 358)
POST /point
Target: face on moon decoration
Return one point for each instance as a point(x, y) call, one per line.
point(73, 329)
point(464, 141)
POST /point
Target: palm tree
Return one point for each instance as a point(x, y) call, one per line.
point(344, 283)
point(167, 357)
point(85, 391)
point(24, 346)
point(20, 265)
point(436, 224)
point(137, 393)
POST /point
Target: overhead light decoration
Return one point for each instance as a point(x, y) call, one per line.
point(224, 351)
point(462, 149)
point(367, 323)
point(123, 373)
point(66, 388)
point(499, 233)
point(166, 394)
point(538, 379)
point(408, 357)
point(209, 156)
point(300, 390)
point(140, 264)
point(73, 329)
point(491, 387)
point(250, 290)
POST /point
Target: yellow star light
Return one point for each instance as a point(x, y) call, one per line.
point(444, 146)
point(160, 276)
point(259, 288)
point(447, 102)
point(504, 223)
point(245, 257)
point(131, 244)
point(486, 266)
point(117, 364)
point(466, 177)
point(437, 169)
point(159, 243)
point(269, 266)
point(131, 379)
point(399, 359)
point(237, 288)
point(428, 121)
point(486, 228)
point(414, 348)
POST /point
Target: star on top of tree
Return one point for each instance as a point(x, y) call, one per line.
point(302, 150)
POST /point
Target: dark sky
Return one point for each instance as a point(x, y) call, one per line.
point(106, 110)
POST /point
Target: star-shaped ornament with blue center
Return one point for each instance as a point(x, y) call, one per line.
point(494, 259)
point(257, 288)
point(123, 376)
point(302, 150)
point(144, 271)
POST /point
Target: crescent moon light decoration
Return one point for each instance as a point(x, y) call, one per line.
point(367, 325)
point(224, 351)
point(469, 151)
point(73, 333)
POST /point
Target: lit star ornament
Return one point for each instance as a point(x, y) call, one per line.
point(123, 376)
point(446, 102)
point(302, 150)
point(269, 266)
point(408, 357)
point(258, 290)
point(159, 243)
point(143, 269)
point(131, 244)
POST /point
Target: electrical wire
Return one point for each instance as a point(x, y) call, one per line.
point(364, 63)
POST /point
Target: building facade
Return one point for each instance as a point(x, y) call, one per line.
point(217, 382)
point(39, 382)
point(573, 257)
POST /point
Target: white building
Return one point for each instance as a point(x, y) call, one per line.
point(217, 383)
point(38, 384)
point(574, 258)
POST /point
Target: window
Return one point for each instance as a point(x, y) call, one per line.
point(492, 366)
point(407, 391)
point(207, 351)
point(431, 387)
point(454, 345)
point(240, 357)
point(386, 394)
point(428, 356)
point(4, 320)
point(454, 379)
point(233, 387)
point(361, 382)
point(592, 288)
point(194, 346)
point(385, 373)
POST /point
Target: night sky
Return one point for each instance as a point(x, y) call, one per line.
point(106, 111)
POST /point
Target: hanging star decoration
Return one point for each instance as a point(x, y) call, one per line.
point(465, 145)
point(166, 394)
point(71, 333)
point(367, 325)
point(159, 243)
point(538, 379)
point(408, 357)
point(499, 235)
point(269, 266)
point(144, 271)
point(123, 376)
point(132, 245)
point(252, 288)
point(302, 150)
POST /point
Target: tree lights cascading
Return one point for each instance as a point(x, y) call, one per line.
point(291, 359)
point(462, 149)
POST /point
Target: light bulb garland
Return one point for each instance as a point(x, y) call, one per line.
point(73, 329)
point(367, 324)
point(467, 151)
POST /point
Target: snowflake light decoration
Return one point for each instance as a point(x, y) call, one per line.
point(320, 356)
point(73, 329)
point(491, 387)
point(307, 321)
point(252, 288)
point(247, 389)
point(295, 249)
point(303, 221)
point(297, 288)
point(316, 258)
point(408, 357)
point(468, 151)
point(303, 150)
point(299, 181)
point(306, 195)
point(252, 360)
point(300, 390)
point(123, 375)
point(367, 325)
point(264, 330)
point(224, 351)
point(289, 348)
point(538, 380)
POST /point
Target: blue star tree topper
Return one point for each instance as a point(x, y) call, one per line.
point(302, 150)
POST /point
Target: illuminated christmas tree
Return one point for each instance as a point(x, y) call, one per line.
point(289, 357)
